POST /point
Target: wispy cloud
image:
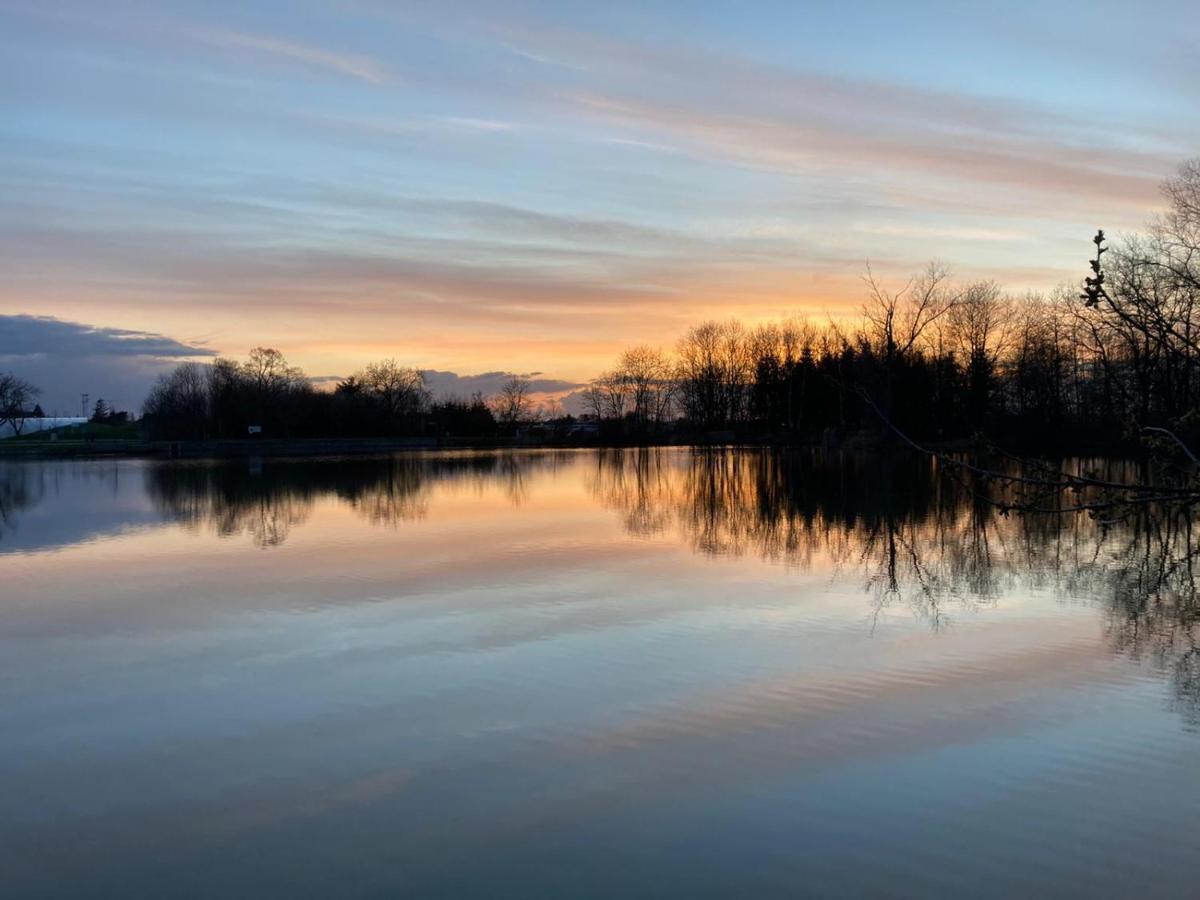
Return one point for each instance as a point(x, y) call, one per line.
point(733, 108)
point(538, 187)
point(478, 124)
point(878, 132)
point(451, 384)
point(351, 65)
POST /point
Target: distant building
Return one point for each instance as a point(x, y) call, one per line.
point(584, 428)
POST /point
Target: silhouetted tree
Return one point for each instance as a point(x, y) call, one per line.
point(649, 382)
point(512, 405)
point(978, 329)
point(16, 394)
point(178, 404)
point(398, 390)
point(470, 418)
point(714, 374)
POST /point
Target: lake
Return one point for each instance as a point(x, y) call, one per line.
point(666, 673)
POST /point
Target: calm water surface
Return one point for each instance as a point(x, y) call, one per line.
point(641, 673)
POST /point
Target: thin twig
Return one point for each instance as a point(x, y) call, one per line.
point(1174, 437)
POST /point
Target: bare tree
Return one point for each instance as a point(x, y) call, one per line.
point(1176, 233)
point(269, 373)
point(593, 399)
point(613, 391)
point(512, 405)
point(715, 372)
point(399, 390)
point(15, 396)
point(645, 373)
point(979, 327)
point(178, 402)
point(1143, 306)
point(896, 321)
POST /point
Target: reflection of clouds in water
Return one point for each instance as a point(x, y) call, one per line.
point(45, 505)
point(18, 491)
point(914, 541)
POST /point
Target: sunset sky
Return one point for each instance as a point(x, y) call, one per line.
point(482, 187)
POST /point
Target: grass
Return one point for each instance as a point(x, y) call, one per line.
point(89, 431)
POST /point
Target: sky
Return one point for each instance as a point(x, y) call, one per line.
point(484, 188)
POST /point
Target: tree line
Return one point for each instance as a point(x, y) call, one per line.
point(266, 394)
point(934, 357)
point(941, 358)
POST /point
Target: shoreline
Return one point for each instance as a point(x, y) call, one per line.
point(300, 448)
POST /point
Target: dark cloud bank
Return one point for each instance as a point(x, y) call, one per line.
point(66, 359)
point(451, 384)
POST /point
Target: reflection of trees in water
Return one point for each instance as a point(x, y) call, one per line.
point(1153, 613)
point(918, 540)
point(923, 540)
point(20, 488)
point(390, 495)
point(783, 506)
point(639, 484)
point(265, 504)
point(265, 500)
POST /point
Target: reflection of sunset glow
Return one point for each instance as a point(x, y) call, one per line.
point(498, 649)
point(424, 524)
